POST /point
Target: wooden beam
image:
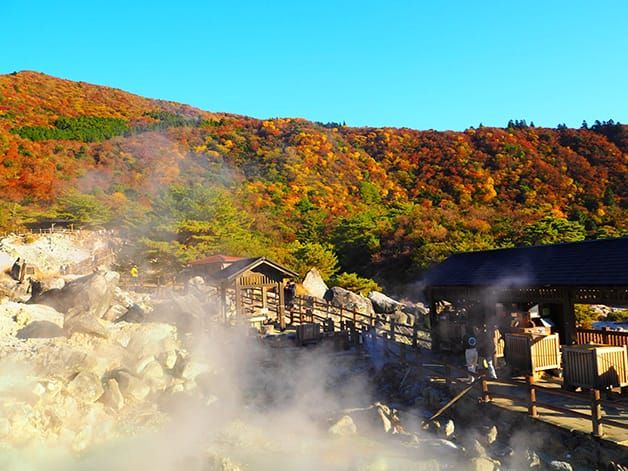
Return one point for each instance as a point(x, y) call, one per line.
point(238, 300)
point(281, 307)
point(223, 301)
point(569, 318)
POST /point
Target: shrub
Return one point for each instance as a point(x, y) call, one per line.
point(357, 284)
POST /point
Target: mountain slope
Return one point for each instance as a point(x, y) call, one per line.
point(385, 199)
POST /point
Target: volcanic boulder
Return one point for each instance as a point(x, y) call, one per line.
point(346, 299)
point(185, 312)
point(40, 330)
point(314, 284)
point(91, 294)
point(383, 304)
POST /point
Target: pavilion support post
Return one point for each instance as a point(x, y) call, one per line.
point(223, 301)
point(433, 321)
point(238, 300)
point(596, 412)
point(569, 318)
point(264, 297)
point(281, 314)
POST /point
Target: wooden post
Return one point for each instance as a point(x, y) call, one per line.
point(433, 318)
point(485, 395)
point(264, 297)
point(238, 299)
point(532, 410)
point(415, 335)
point(281, 306)
point(223, 301)
point(300, 308)
point(569, 318)
point(596, 412)
point(448, 378)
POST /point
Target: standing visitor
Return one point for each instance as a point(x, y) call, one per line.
point(135, 273)
point(487, 349)
point(470, 343)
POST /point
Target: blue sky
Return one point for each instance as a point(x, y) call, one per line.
point(418, 64)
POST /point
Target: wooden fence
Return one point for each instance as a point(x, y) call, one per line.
point(48, 230)
point(595, 403)
point(607, 337)
point(310, 309)
point(530, 399)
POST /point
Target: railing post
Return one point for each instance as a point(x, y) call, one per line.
point(300, 308)
point(596, 412)
point(415, 334)
point(485, 395)
point(448, 378)
point(532, 410)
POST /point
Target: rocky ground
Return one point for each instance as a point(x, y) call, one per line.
point(96, 377)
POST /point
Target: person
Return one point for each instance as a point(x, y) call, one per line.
point(135, 273)
point(470, 343)
point(487, 349)
point(290, 293)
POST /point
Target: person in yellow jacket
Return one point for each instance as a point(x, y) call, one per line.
point(135, 273)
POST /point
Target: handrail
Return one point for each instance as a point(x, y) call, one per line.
point(616, 338)
point(596, 417)
point(595, 402)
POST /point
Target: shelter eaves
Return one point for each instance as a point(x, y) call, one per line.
point(589, 263)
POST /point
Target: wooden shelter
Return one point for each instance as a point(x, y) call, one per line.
point(206, 267)
point(554, 277)
point(244, 276)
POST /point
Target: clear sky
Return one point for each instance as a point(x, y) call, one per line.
point(420, 64)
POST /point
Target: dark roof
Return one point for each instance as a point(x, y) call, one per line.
point(216, 259)
point(236, 268)
point(590, 263)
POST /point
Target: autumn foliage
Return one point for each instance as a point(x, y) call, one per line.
point(388, 201)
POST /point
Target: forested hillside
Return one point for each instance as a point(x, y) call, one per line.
point(385, 202)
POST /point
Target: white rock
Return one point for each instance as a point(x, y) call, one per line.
point(448, 428)
point(193, 368)
point(491, 435)
point(343, 427)
point(314, 284)
point(86, 387)
point(382, 303)
point(561, 466)
point(142, 362)
point(26, 313)
point(168, 359)
point(112, 397)
point(481, 464)
point(132, 387)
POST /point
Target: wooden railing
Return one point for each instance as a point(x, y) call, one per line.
point(607, 337)
point(530, 398)
point(595, 403)
point(310, 309)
